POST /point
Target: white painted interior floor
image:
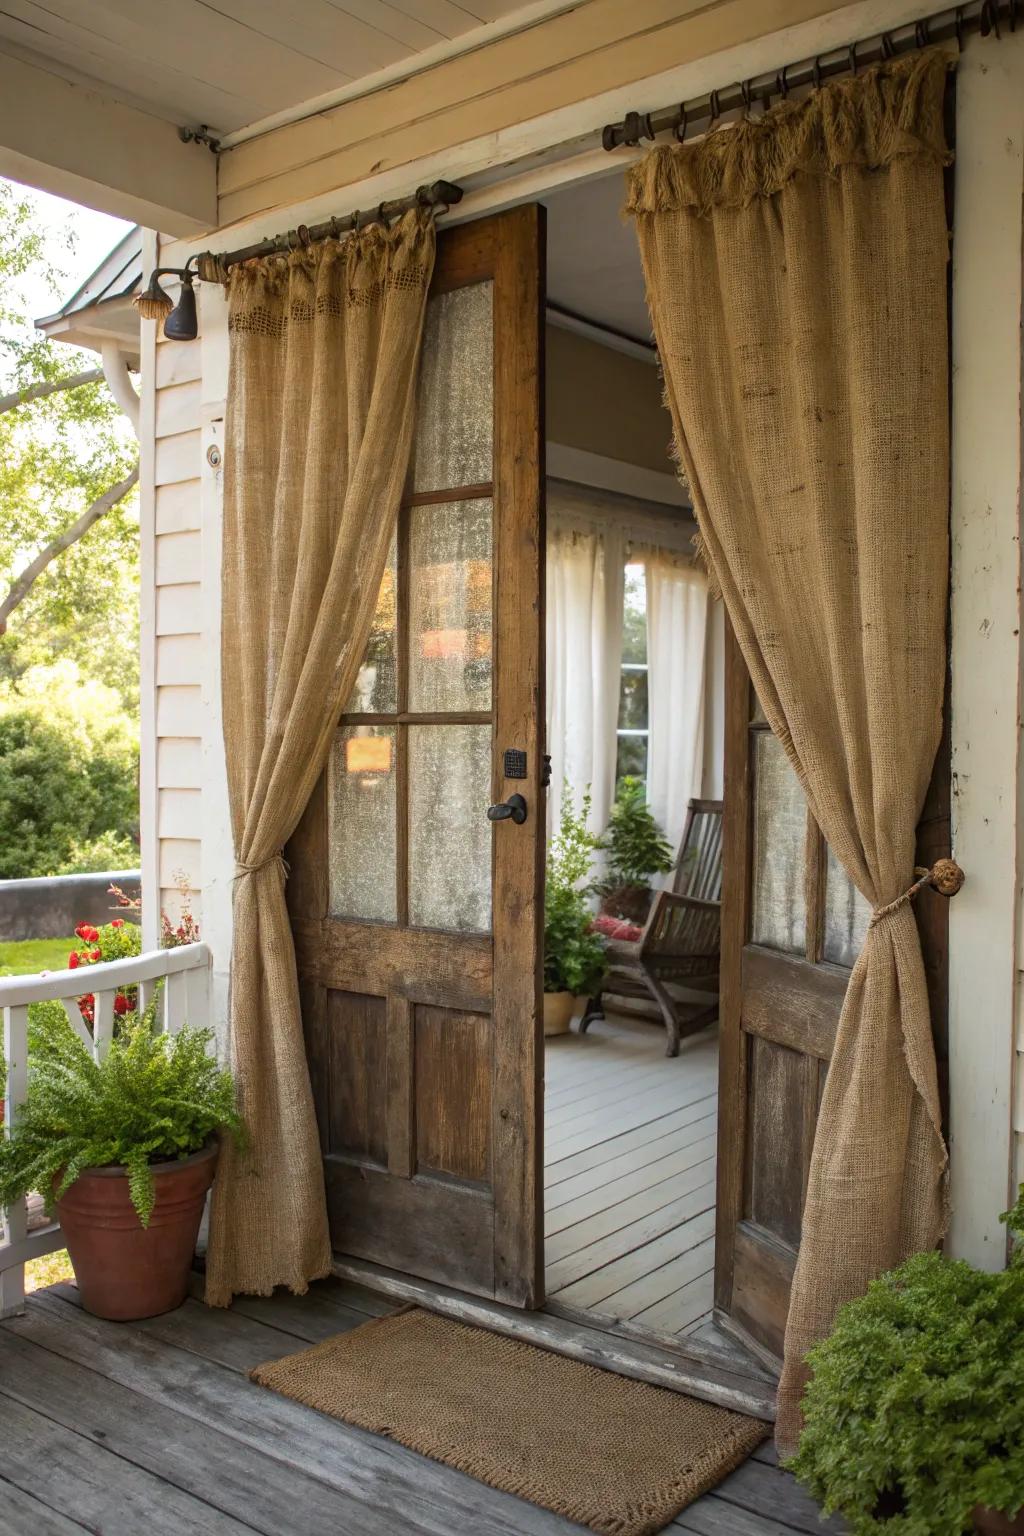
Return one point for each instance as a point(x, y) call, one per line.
point(630, 1174)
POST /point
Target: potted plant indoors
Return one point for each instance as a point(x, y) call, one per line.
point(574, 955)
point(636, 852)
point(914, 1413)
point(124, 1150)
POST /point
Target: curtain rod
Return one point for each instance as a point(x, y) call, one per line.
point(982, 16)
point(444, 194)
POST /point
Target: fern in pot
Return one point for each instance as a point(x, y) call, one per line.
point(914, 1413)
point(574, 955)
point(637, 851)
point(124, 1150)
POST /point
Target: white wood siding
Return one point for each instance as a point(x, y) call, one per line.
point(178, 639)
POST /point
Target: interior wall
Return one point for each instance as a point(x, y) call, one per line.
point(602, 401)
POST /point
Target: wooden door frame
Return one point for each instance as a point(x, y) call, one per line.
point(500, 973)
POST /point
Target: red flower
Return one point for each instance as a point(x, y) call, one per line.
point(90, 935)
point(78, 931)
point(117, 922)
point(88, 1001)
point(73, 960)
point(121, 1004)
point(96, 954)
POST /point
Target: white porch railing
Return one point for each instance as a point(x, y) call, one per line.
point(185, 998)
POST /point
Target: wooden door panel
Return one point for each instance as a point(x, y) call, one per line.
point(418, 925)
point(780, 1003)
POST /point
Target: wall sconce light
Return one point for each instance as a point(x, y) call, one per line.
point(181, 323)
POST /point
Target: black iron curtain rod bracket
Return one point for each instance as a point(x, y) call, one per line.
point(983, 16)
point(181, 321)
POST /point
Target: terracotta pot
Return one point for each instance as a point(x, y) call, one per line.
point(124, 1270)
point(559, 1008)
point(991, 1523)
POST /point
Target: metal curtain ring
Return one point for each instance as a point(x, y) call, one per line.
point(715, 109)
point(679, 127)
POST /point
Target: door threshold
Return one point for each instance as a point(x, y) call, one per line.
point(697, 1370)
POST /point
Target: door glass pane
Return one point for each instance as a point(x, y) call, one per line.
point(449, 834)
point(361, 823)
point(778, 916)
point(450, 607)
point(376, 686)
point(456, 391)
point(846, 915)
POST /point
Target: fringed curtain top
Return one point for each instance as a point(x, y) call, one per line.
point(889, 111)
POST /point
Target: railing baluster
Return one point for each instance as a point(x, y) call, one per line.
point(76, 1021)
point(12, 1281)
point(176, 1002)
point(103, 1023)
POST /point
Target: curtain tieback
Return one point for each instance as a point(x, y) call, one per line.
point(241, 868)
point(945, 876)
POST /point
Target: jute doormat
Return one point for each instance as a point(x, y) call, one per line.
point(617, 1455)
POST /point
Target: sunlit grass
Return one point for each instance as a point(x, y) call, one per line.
point(32, 955)
point(51, 1269)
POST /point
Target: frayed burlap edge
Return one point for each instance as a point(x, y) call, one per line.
point(659, 1508)
point(888, 111)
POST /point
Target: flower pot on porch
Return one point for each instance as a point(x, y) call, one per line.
point(990, 1522)
point(558, 1011)
point(125, 1270)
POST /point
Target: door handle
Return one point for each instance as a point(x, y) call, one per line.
point(512, 809)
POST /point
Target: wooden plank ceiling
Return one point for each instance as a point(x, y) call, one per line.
point(229, 63)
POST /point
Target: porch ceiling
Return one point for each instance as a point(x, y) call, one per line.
point(92, 96)
point(229, 63)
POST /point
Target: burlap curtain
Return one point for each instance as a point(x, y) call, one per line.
point(796, 275)
point(324, 350)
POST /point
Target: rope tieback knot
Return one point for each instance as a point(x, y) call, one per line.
point(241, 868)
point(945, 876)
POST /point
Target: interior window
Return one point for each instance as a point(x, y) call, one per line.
point(633, 726)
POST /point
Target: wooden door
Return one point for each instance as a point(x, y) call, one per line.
point(792, 926)
point(419, 921)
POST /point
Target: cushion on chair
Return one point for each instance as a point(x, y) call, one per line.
point(616, 929)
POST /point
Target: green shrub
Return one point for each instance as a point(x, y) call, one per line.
point(153, 1097)
point(915, 1409)
point(636, 848)
point(63, 785)
point(574, 955)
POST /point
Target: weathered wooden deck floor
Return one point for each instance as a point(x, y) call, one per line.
point(629, 1201)
point(153, 1427)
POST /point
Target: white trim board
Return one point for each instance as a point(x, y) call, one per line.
point(149, 793)
point(985, 623)
point(577, 464)
point(557, 148)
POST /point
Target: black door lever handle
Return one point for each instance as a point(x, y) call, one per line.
point(512, 809)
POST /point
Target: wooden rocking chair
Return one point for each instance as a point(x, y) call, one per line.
point(680, 941)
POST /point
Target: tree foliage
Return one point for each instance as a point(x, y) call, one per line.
point(58, 454)
point(68, 786)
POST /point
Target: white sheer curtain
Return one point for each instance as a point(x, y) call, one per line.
point(677, 626)
point(584, 655)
